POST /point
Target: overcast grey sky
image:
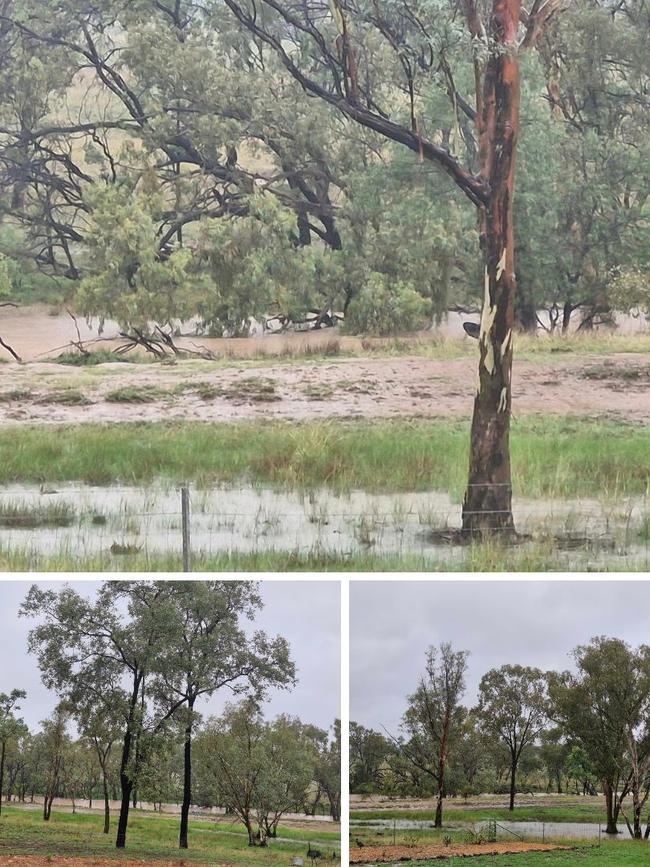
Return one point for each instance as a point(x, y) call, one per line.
point(534, 623)
point(306, 613)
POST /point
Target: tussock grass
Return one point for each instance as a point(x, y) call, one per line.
point(65, 397)
point(15, 395)
point(551, 457)
point(90, 359)
point(135, 394)
point(21, 515)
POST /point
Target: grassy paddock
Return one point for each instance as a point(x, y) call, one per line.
point(149, 838)
point(551, 457)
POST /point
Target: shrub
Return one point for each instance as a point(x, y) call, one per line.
point(383, 308)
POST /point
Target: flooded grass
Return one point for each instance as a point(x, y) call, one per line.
point(27, 516)
point(381, 496)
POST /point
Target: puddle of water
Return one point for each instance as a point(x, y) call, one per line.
point(249, 518)
point(510, 830)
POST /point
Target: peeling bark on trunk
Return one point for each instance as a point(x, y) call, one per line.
point(487, 507)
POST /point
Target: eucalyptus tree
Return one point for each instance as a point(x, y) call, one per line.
point(349, 54)
point(291, 756)
point(259, 769)
point(10, 726)
point(433, 719)
point(56, 744)
point(100, 726)
point(105, 648)
point(368, 752)
point(209, 650)
point(513, 706)
point(605, 706)
point(328, 769)
point(233, 761)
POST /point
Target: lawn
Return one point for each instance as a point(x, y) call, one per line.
point(151, 838)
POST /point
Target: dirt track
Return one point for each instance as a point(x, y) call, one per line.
point(381, 854)
point(616, 386)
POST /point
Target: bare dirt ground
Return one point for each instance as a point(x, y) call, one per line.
point(433, 851)
point(615, 386)
point(480, 802)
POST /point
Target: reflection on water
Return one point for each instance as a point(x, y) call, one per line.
point(505, 829)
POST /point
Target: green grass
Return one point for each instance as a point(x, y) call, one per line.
point(478, 558)
point(90, 359)
point(135, 394)
point(149, 838)
point(551, 457)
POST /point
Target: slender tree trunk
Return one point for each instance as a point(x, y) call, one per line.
point(2, 771)
point(187, 778)
point(438, 819)
point(513, 783)
point(126, 784)
point(107, 809)
point(608, 788)
point(487, 508)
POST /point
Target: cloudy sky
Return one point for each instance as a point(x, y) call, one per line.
point(306, 613)
point(534, 623)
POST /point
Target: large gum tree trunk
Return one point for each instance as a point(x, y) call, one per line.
point(487, 507)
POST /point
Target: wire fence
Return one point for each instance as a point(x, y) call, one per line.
point(192, 523)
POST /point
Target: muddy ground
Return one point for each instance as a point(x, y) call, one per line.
point(432, 851)
point(616, 386)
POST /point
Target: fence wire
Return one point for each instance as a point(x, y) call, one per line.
point(611, 531)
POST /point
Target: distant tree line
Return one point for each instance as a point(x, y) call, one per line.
point(129, 667)
point(583, 732)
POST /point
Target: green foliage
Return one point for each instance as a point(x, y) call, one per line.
point(261, 770)
point(384, 307)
